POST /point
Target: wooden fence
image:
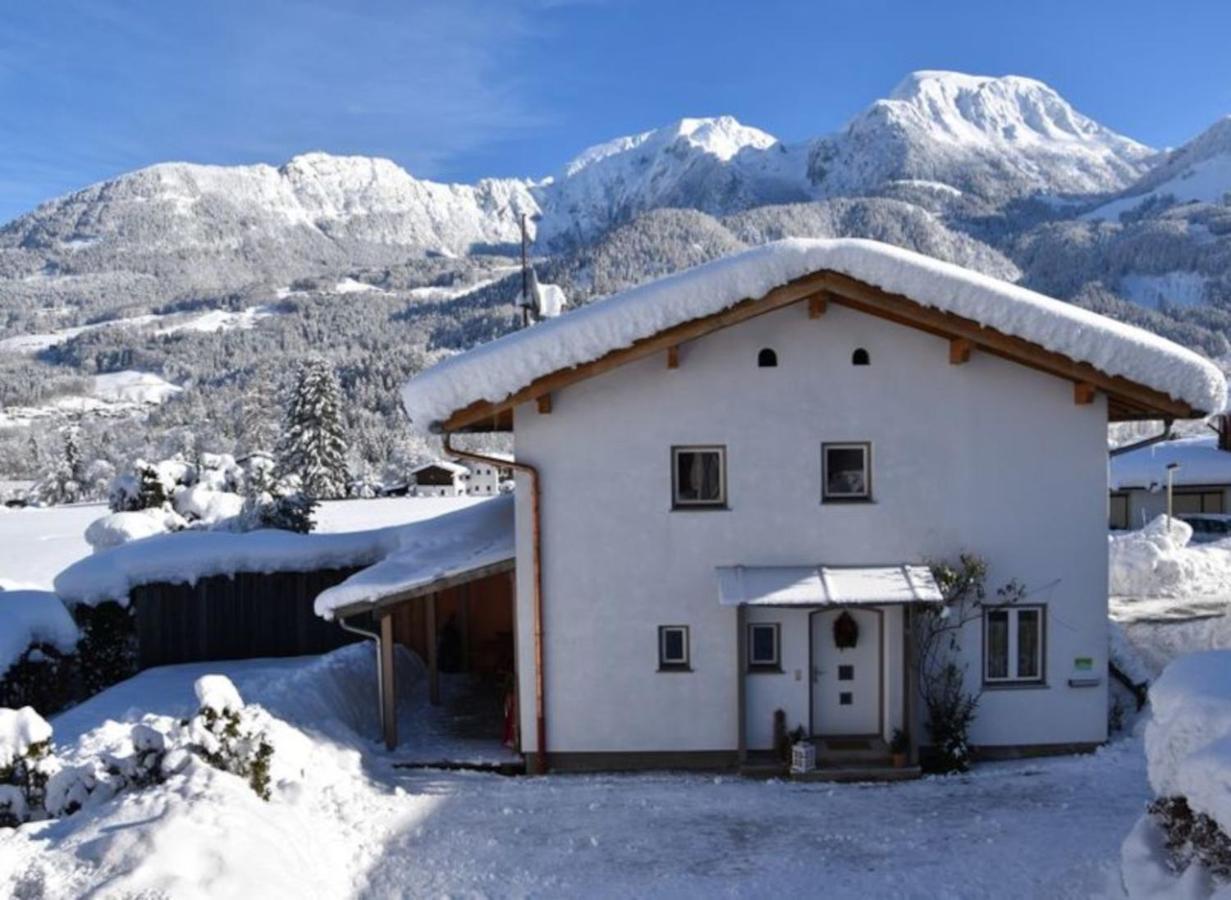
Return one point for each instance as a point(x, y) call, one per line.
point(241, 616)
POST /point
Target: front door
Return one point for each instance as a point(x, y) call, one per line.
point(846, 680)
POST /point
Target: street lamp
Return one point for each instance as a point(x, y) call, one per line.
point(1171, 467)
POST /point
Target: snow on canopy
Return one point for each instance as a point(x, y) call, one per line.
point(494, 371)
point(185, 557)
point(33, 617)
point(472, 538)
point(1199, 459)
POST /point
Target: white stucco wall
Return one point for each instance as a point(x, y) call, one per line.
point(989, 457)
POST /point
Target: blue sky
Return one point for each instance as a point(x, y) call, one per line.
point(460, 89)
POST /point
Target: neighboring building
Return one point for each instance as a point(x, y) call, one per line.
point(487, 478)
point(1201, 482)
point(15, 494)
point(439, 479)
point(786, 438)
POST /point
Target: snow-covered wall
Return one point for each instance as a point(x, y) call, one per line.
point(988, 457)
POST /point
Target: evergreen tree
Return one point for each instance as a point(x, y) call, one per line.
point(313, 445)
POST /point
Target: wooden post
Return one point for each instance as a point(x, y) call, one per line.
point(909, 684)
point(388, 678)
point(433, 673)
point(741, 687)
point(463, 616)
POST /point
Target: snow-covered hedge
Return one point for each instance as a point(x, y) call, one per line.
point(38, 639)
point(36, 783)
point(1185, 842)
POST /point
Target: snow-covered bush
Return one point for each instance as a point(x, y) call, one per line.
point(224, 734)
point(122, 527)
point(25, 745)
point(273, 502)
point(1185, 838)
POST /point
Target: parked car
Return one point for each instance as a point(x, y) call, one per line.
point(1208, 527)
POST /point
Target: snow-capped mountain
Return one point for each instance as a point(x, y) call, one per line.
point(714, 165)
point(1198, 172)
point(996, 138)
point(316, 206)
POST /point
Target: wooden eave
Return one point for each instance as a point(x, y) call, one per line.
point(1127, 400)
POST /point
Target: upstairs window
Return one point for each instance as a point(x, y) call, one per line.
point(767, 359)
point(846, 472)
point(1013, 644)
point(673, 647)
point(699, 477)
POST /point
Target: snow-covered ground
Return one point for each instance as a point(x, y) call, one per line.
point(37, 544)
point(344, 822)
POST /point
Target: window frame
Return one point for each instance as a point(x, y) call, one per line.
point(676, 502)
point(759, 665)
point(674, 665)
point(866, 495)
point(1012, 644)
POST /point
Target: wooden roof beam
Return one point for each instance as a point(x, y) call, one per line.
point(817, 304)
point(673, 356)
point(1083, 393)
point(959, 351)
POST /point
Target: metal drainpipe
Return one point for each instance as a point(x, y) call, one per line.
point(540, 715)
point(380, 670)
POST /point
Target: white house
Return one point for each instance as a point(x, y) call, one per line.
point(490, 477)
point(789, 436)
point(1200, 480)
point(439, 479)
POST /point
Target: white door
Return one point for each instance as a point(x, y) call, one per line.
point(846, 682)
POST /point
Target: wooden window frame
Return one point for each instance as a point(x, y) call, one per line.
point(683, 505)
point(674, 665)
point(866, 495)
point(1011, 644)
point(760, 665)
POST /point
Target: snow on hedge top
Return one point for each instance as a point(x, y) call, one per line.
point(1188, 740)
point(441, 543)
point(462, 541)
point(33, 617)
point(496, 370)
point(19, 728)
point(217, 692)
point(1200, 461)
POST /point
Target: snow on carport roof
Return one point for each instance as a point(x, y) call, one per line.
point(471, 540)
point(496, 370)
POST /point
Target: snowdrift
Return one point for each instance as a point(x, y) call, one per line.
point(1158, 561)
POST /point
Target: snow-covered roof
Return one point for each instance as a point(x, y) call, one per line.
point(1199, 459)
point(496, 370)
point(453, 467)
point(826, 585)
point(472, 539)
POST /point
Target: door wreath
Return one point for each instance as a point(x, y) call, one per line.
point(845, 631)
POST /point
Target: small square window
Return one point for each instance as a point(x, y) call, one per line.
point(763, 645)
point(846, 471)
point(673, 647)
point(846, 698)
point(698, 477)
point(846, 673)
